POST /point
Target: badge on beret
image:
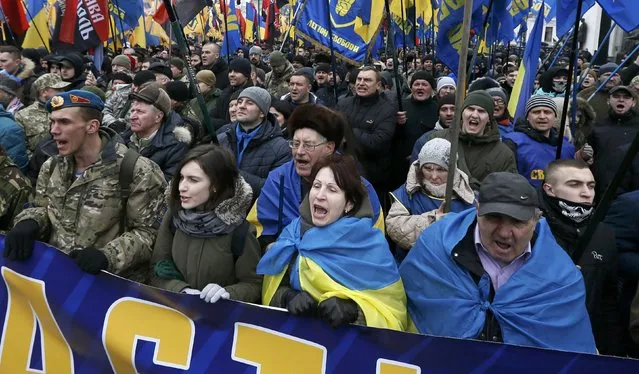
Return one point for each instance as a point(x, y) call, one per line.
point(79, 99)
point(57, 101)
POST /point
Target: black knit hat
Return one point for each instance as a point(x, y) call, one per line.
point(160, 68)
point(482, 99)
point(326, 122)
point(326, 68)
point(483, 84)
point(241, 65)
point(423, 75)
point(142, 77)
point(446, 100)
point(121, 76)
point(177, 90)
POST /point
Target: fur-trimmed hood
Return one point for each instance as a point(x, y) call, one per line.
point(27, 69)
point(182, 134)
point(233, 210)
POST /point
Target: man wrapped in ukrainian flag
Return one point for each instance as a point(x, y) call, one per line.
point(331, 262)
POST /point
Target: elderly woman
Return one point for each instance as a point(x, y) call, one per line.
point(418, 203)
point(331, 262)
point(204, 246)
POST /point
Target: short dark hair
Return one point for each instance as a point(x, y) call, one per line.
point(300, 73)
point(554, 167)
point(89, 114)
point(347, 177)
point(378, 75)
point(218, 163)
point(13, 50)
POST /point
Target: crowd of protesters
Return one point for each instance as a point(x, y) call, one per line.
point(300, 184)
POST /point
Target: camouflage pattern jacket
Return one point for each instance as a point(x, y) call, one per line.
point(34, 119)
point(278, 86)
point(117, 105)
point(14, 191)
point(74, 214)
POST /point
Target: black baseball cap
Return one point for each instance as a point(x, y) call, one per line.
point(621, 88)
point(508, 194)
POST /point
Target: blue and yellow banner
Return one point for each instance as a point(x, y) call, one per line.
point(354, 24)
point(58, 319)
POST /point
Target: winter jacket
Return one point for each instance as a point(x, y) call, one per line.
point(312, 99)
point(421, 117)
point(623, 216)
point(414, 209)
point(372, 120)
point(599, 102)
point(265, 152)
point(545, 83)
point(481, 155)
point(505, 125)
point(533, 151)
point(14, 192)
point(211, 100)
point(168, 146)
point(201, 261)
point(25, 76)
point(118, 105)
point(277, 86)
point(12, 139)
point(221, 70)
point(599, 269)
point(327, 96)
point(34, 119)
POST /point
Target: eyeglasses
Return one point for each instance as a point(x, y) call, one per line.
point(305, 146)
point(499, 102)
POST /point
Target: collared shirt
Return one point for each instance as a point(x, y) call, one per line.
point(499, 272)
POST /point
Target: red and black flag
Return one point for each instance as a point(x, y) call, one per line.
point(185, 10)
point(272, 12)
point(81, 25)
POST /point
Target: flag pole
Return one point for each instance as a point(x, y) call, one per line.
point(623, 62)
point(226, 33)
point(482, 36)
point(594, 57)
point(36, 27)
point(294, 20)
point(571, 69)
point(404, 59)
point(8, 28)
point(459, 100)
point(121, 24)
point(330, 36)
point(390, 40)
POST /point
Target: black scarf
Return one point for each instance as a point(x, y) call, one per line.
point(576, 213)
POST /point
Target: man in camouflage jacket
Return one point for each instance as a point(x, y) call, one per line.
point(14, 190)
point(78, 206)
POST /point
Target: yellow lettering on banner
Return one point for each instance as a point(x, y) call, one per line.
point(448, 6)
point(396, 367)
point(285, 353)
point(129, 320)
point(26, 303)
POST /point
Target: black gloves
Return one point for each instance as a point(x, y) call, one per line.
point(338, 311)
point(300, 303)
point(18, 244)
point(90, 260)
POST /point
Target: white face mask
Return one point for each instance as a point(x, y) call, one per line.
point(559, 86)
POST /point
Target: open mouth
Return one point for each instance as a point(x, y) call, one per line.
point(61, 143)
point(502, 245)
point(319, 211)
point(473, 123)
point(621, 106)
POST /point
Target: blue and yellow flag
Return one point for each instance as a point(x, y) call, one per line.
point(623, 12)
point(129, 12)
point(38, 27)
point(567, 11)
point(525, 82)
point(500, 23)
point(232, 40)
point(449, 39)
point(519, 10)
point(354, 24)
point(402, 22)
point(251, 22)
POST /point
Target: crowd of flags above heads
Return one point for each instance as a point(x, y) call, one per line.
point(86, 24)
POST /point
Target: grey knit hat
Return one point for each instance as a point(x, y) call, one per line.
point(436, 151)
point(255, 49)
point(541, 100)
point(259, 96)
point(498, 92)
point(8, 85)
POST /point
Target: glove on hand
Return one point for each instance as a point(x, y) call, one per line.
point(90, 260)
point(338, 311)
point(213, 292)
point(191, 291)
point(300, 303)
point(18, 244)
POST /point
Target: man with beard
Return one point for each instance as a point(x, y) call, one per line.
point(211, 61)
point(255, 55)
point(276, 80)
point(566, 200)
point(599, 102)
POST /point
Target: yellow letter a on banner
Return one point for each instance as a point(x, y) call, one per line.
point(27, 303)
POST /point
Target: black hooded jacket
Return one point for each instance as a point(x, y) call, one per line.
point(221, 70)
point(79, 79)
point(545, 81)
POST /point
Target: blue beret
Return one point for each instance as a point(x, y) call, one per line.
point(75, 98)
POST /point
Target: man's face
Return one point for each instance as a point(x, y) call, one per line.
point(438, 66)
point(69, 130)
point(366, 83)
point(446, 90)
point(421, 90)
point(305, 155)
point(301, 52)
point(118, 68)
point(233, 110)
point(542, 118)
point(164, 54)
point(588, 82)
point(145, 65)
point(279, 69)
point(210, 54)
point(55, 69)
point(145, 118)
point(474, 120)
point(204, 88)
point(446, 115)
point(176, 71)
point(236, 79)
point(572, 184)
point(500, 107)
point(297, 65)
point(621, 102)
point(299, 87)
point(161, 78)
point(9, 63)
point(321, 77)
point(504, 237)
point(428, 65)
point(240, 53)
point(389, 64)
point(195, 60)
point(255, 58)
point(247, 111)
point(67, 71)
point(511, 77)
point(614, 81)
point(418, 64)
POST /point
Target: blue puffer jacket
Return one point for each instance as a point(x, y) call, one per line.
point(12, 139)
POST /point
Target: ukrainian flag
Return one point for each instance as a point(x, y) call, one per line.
point(40, 12)
point(525, 83)
point(348, 259)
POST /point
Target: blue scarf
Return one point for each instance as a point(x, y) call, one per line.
point(243, 139)
point(542, 304)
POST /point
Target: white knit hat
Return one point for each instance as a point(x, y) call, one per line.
point(445, 81)
point(435, 151)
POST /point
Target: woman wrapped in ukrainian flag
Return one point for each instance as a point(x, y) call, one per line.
point(331, 262)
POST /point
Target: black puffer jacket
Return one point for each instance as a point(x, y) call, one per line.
point(372, 120)
point(265, 152)
point(599, 269)
point(168, 146)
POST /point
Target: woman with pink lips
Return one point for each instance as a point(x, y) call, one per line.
point(331, 262)
point(204, 246)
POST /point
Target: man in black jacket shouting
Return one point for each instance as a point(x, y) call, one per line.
point(566, 199)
